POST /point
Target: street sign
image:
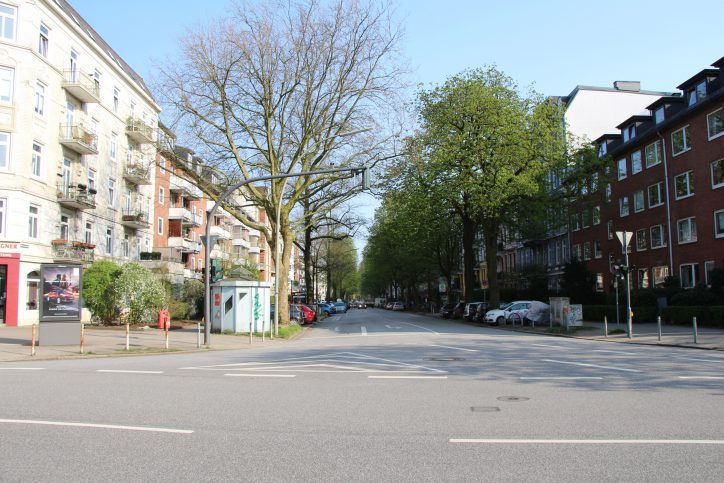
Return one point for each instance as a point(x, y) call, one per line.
point(625, 238)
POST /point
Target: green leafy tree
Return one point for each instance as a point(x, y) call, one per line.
point(139, 293)
point(98, 290)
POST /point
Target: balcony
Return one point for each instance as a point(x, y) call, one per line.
point(254, 250)
point(197, 247)
point(72, 251)
point(139, 131)
point(78, 139)
point(82, 86)
point(134, 218)
point(185, 188)
point(137, 172)
point(240, 242)
point(198, 220)
point(188, 273)
point(182, 244)
point(181, 213)
point(78, 196)
point(221, 233)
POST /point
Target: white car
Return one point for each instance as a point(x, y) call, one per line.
point(502, 315)
point(398, 306)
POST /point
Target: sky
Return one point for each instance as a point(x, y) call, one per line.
point(552, 45)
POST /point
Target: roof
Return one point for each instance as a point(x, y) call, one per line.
point(102, 44)
point(665, 100)
point(631, 119)
point(698, 76)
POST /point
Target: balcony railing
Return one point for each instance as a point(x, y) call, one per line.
point(76, 196)
point(139, 131)
point(134, 218)
point(182, 244)
point(220, 232)
point(79, 139)
point(184, 188)
point(180, 213)
point(137, 172)
point(72, 251)
point(198, 220)
point(82, 86)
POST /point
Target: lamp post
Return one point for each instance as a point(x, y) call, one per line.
point(207, 246)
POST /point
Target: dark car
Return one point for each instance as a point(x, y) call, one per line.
point(446, 311)
point(296, 316)
point(458, 310)
point(480, 312)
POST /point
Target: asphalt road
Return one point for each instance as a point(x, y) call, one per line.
point(372, 395)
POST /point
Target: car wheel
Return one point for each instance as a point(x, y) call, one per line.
point(500, 320)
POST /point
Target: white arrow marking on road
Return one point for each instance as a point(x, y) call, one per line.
point(364, 330)
point(102, 426)
point(591, 365)
point(589, 441)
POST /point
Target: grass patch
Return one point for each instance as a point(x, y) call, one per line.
point(287, 331)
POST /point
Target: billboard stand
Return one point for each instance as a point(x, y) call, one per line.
point(60, 304)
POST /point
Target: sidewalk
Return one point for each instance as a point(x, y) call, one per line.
point(111, 341)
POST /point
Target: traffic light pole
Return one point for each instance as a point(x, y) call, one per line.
point(207, 246)
point(628, 287)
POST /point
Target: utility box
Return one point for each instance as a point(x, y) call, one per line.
point(560, 308)
point(240, 306)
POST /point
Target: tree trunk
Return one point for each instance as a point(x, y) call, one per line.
point(469, 228)
point(308, 266)
point(282, 274)
point(490, 234)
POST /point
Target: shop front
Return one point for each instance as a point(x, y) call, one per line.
point(9, 284)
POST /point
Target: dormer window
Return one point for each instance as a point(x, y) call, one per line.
point(602, 150)
point(659, 115)
point(629, 132)
point(697, 94)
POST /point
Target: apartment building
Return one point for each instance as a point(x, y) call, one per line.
point(76, 146)
point(667, 189)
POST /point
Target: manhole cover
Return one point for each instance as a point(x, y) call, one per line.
point(484, 409)
point(513, 398)
point(444, 359)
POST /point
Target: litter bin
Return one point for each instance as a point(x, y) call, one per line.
point(164, 319)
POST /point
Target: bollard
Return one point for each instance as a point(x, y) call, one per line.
point(263, 329)
point(166, 324)
point(82, 338)
point(605, 326)
point(658, 324)
point(696, 331)
point(32, 340)
point(198, 335)
point(251, 330)
point(128, 337)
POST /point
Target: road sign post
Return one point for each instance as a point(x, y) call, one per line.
point(625, 238)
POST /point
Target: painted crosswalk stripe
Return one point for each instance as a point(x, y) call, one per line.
point(583, 364)
point(93, 425)
point(364, 330)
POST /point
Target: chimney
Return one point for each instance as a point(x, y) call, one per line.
point(631, 86)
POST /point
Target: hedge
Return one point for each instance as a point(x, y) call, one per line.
point(595, 313)
point(711, 316)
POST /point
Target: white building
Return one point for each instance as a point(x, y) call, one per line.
point(77, 140)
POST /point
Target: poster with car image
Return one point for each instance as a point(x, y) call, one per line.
point(61, 293)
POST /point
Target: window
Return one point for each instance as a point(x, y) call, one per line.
point(697, 94)
point(32, 290)
point(636, 166)
point(111, 193)
point(36, 160)
point(162, 164)
point(681, 141)
point(623, 206)
point(689, 274)
point(658, 236)
point(6, 84)
point(602, 150)
point(599, 282)
point(33, 221)
point(161, 195)
point(585, 219)
point(717, 171)
point(621, 168)
point(64, 227)
point(88, 232)
point(609, 229)
point(655, 198)
point(708, 268)
point(684, 185)
point(641, 240)
point(638, 198)
point(587, 251)
point(109, 241)
point(643, 277)
point(715, 123)
point(113, 146)
point(577, 251)
point(608, 191)
point(653, 154)
point(126, 245)
point(687, 230)
point(629, 132)
point(160, 226)
point(4, 150)
point(660, 274)
point(594, 182)
point(91, 180)
point(596, 215)
point(43, 40)
point(7, 22)
point(3, 205)
point(659, 115)
point(116, 94)
point(719, 224)
point(597, 251)
point(39, 98)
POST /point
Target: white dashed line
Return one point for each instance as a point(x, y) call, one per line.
point(562, 378)
point(591, 365)
point(120, 371)
point(704, 378)
point(261, 375)
point(22, 368)
point(589, 441)
point(101, 426)
point(406, 377)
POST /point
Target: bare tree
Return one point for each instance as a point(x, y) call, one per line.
point(285, 87)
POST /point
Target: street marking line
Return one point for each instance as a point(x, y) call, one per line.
point(406, 377)
point(591, 365)
point(562, 378)
point(699, 360)
point(261, 375)
point(22, 368)
point(419, 327)
point(615, 352)
point(710, 378)
point(456, 348)
point(546, 345)
point(364, 330)
point(589, 441)
point(101, 426)
point(124, 371)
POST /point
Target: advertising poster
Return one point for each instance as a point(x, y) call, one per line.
point(61, 293)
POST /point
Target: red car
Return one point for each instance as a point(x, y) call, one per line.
point(309, 314)
point(59, 295)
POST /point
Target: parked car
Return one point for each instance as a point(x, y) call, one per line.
point(480, 312)
point(458, 310)
point(296, 316)
point(310, 315)
point(341, 307)
point(502, 315)
point(398, 306)
point(446, 311)
point(388, 305)
point(470, 310)
point(326, 309)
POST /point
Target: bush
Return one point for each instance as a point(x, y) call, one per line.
point(710, 316)
point(140, 293)
point(98, 290)
point(595, 313)
point(700, 295)
point(178, 309)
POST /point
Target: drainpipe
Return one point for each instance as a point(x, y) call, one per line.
point(668, 205)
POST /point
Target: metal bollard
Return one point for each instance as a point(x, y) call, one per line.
point(32, 340)
point(605, 326)
point(82, 338)
point(198, 335)
point(128, 337)
point(263, 329)
point(696, 332)
point(658, 323)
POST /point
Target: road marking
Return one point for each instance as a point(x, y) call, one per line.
point(456, 348)
point(102, 426)
point(709, 378)
point(546, 345)
point(562, 378)
point(22, 368)
point(393, 326)
point(589, 441)
point(122, 371)
point(261, 375)
point(406, 377)
point(699, 360)
point(336, 329)
point(364, 330)
point(616, 352)
point(591, 365)
point(420, 327)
